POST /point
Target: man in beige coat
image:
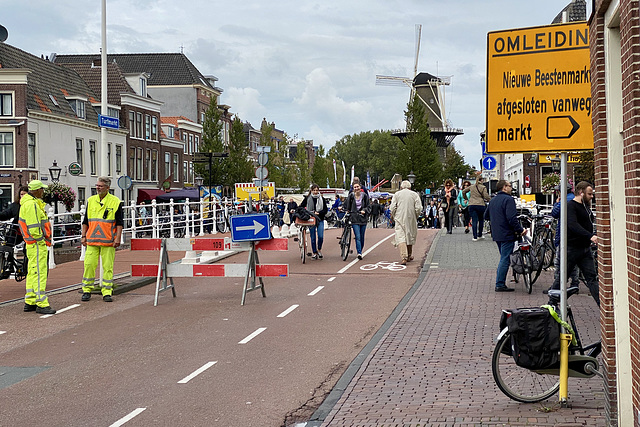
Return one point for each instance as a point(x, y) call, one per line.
point(405, 209)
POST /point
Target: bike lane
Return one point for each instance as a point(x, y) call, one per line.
point(431, 362)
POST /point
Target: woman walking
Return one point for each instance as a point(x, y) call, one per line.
point(463, 202)
point(449, 204)
point(317, 205)
point(478, 195)
point(358, 206)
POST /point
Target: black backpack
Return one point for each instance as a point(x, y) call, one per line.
point(535, 337)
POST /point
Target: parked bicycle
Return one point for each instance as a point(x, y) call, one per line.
point(345, 238)
point(522, 263)
point(13, 260)
point(534, 385)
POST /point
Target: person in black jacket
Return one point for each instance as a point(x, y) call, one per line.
point(13, 236)
point(318, 207)
point(291, 208)
point(359, 208)
point(376, 210)
point(580, 237)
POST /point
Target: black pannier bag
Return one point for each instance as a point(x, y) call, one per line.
point(516, 263)
point(535, 337)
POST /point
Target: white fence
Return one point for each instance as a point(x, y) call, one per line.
point(155, 220)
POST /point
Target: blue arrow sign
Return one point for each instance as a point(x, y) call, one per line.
point(245, 228)
point(489, 163)
point(484, 147)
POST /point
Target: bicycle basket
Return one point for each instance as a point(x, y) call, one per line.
point(310, 222)
point(535, 337)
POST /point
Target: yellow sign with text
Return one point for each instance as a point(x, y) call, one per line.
point(539, 89)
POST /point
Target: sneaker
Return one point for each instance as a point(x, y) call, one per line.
point(504, 289)
point(466, 231)
point(403, 262)
point(320, 255)
point(359, 256)
point(45, 310)
point(474, 240)
point(29, 307)
point(314, 256)
point(86, 296)
point(481, 237)
point(546, 291)
point(107, 298)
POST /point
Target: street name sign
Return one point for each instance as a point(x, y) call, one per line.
point(250, 227)
point(539, 89)
point(109, 122)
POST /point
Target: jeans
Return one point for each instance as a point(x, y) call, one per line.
point(505, 249)
point(449, 217)
point(574, 276)
point(358, 233)
point(583, 258)
point(320, 231)
point(477, 220)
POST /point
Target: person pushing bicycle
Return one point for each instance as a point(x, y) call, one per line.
point(13, 236)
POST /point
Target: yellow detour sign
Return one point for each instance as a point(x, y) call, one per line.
point(539, 89)
point(546, 158)
point(244, 191)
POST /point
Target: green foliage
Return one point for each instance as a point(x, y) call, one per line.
point(418, 153)
point(212, 143)
point(454, 165)
point(239, 167)
point(322, 169)
point(586, 170)
point(303, 175)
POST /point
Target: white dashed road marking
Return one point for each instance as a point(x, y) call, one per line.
point(197, 372)
point(129, 417)
point(288, 310)
point(315, 291)
point(253, 335)
point(62, 310)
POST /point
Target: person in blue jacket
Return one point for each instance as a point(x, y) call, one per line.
point(505, 229)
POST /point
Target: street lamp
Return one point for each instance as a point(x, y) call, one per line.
point(199, 180)
point(411, 177)
point(54, 172)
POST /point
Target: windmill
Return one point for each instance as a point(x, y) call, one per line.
point(430, 90)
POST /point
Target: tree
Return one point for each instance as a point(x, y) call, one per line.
point(454, 165)
point(586, 170)
point(418, 153)
point(302, 173)
point(212, 143)
point(238, 165)
point(322, 171)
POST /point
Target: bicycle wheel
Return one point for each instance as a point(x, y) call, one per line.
point(221, 222)
point(538, 258)
point(519, 383)
point(527, 266)
point(345, 242)
point(3, 264)
point(549, 255)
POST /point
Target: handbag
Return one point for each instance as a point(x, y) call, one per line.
point(444, 205)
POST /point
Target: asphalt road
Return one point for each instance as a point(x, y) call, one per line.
point(201, 359)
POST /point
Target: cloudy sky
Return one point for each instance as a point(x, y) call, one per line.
point(307, 65)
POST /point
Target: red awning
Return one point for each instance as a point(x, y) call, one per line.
point(148, 194)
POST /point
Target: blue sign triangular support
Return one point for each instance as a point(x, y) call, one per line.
point(250, 278)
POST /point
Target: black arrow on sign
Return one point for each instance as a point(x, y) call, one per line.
point(558, 127)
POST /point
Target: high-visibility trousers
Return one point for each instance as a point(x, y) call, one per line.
point(36, 281)
point(91, 258)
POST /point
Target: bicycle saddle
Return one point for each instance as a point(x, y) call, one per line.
point(555, 293)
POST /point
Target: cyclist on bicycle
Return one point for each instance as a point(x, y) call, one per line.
point(318, 207)
point(13, 237)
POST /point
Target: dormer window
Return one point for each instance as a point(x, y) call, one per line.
point(171, 132)
point(143, 86)
point(78, 107)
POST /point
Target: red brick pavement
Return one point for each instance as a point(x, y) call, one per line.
point(433, 366)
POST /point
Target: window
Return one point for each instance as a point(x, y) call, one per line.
point(176, 172)
point(113, 112)
point(132, 124)
point(6, 149)
point(154, 128)
point(132, 162)
point(147, 164)
point(92, 157)
point(138, 125)
point(191, 179)
point(190, 143)
point(147, 126)
point(196, 145)
point(139, 164)
point(6, 104)
point(143, 86)
point(31, 150)
point(154, 165)
point(82, 194)
point(185, 170)
point(201, 117)
point(167, 165)
point(171, 132)
point(79, 154)
point(108, 159)
point(118, 159)
point(78, 107)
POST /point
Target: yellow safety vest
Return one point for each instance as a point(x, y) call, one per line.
point(101, 217)
point(33, 221)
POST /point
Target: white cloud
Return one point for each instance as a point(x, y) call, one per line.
point(245, 102)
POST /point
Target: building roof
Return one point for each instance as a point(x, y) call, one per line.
point(47, 81)
point(165, 69)
point(576, 11)
point(116, 82)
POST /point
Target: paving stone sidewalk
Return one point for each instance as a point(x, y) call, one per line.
point(432, 367)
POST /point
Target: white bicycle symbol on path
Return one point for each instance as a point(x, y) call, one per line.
point(391, 266)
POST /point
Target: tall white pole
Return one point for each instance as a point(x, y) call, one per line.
point(103, 169)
